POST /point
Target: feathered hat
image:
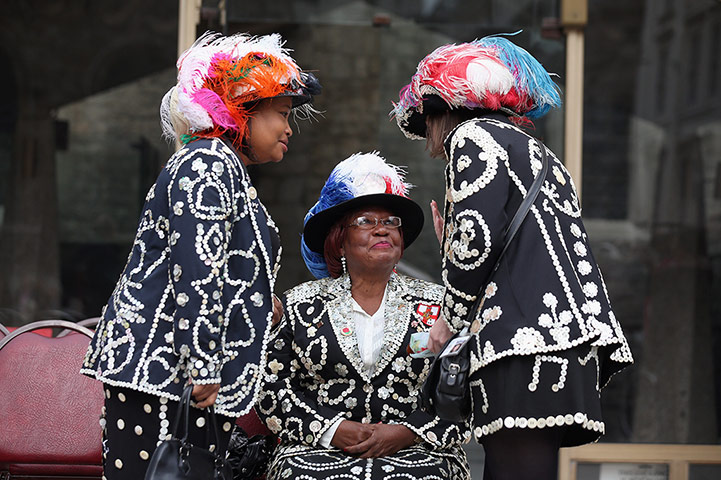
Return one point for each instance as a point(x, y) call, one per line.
point(490, 74)
point(220, 78)
point(361, 180)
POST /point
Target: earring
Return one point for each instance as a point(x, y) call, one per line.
point(343, 264)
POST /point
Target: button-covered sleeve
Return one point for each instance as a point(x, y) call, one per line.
point(284, 405)
point(201, 196)
point(436, 433)
point(477, 186)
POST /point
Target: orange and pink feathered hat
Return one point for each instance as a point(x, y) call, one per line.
point(220, 78)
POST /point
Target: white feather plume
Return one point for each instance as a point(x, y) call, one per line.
point(368, 173)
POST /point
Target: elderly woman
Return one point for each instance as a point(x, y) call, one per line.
point(342, 389)
point(545, 338)
point(195, 301)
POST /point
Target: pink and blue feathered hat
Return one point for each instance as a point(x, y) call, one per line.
point(361, 180)
point(487, 74)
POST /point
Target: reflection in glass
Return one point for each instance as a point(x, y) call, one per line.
point(622, 471)
point(698, 471)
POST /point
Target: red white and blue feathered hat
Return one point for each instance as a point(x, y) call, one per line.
point(361, 180)
point(487, 74)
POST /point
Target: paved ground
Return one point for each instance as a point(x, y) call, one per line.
point(475, 458)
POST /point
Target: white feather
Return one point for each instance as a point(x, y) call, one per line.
point(366, 174)
point(165, 121)
point(488, 75)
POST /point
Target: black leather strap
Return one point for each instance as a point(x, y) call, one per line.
point(525, 206)
point(515, 224)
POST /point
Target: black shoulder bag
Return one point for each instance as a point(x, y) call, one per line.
point(249, 457)
point(446, 391)
point(178, 459)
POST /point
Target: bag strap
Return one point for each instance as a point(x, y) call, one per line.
point(515, 224)
point(182, 419)
point(183, 414)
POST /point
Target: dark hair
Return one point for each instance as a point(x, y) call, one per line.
point(335, 239)
point(332, 249)
point(439, 125)
point(245, 139)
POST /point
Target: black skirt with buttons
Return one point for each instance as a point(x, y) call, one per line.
point(541, 391)
point(134, 423)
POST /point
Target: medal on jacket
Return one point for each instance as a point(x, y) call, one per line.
point(345, 331)
point(429, 313)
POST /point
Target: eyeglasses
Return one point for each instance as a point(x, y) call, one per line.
point(367, 223)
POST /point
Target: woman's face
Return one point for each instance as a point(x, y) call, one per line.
point(269, 130)
point(372, 249)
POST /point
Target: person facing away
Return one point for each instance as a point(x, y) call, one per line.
point(342, 391)
point(545, 339)
point(195, 300)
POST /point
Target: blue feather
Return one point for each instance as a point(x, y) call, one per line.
point(335, 191)
point(314, 261)
point(531, 78)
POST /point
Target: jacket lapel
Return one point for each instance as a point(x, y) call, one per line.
point(340, 314)
point(397, 320)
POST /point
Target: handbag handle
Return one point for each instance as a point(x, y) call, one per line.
point(183, 415)
point(514, 226)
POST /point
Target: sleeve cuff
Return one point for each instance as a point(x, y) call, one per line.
point(203, 371)
point(327, 437)
point(427, 436)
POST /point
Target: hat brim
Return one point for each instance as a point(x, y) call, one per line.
point(416, 122)
point(310, 87)
point(317, 227)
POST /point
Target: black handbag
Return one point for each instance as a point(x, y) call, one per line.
point(177, 458)
point(249, 457)
point(446, 392)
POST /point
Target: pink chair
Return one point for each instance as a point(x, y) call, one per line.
point(49, 412)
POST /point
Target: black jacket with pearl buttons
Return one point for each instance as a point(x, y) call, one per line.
point(316, 375)
point(548, 293)
point(195, 297)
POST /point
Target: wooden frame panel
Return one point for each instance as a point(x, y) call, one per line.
point(677, 457)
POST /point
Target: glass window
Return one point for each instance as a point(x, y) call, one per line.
point(80, 144)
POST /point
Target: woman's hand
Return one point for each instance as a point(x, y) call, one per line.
point(205, 395)
point(385, 440)
point(350, 433)
point(437, 221)
point(439, 335)
point(277, 310)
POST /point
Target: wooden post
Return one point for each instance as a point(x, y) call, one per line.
point(574, 16)
point(573, 141)
point(188, 18)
